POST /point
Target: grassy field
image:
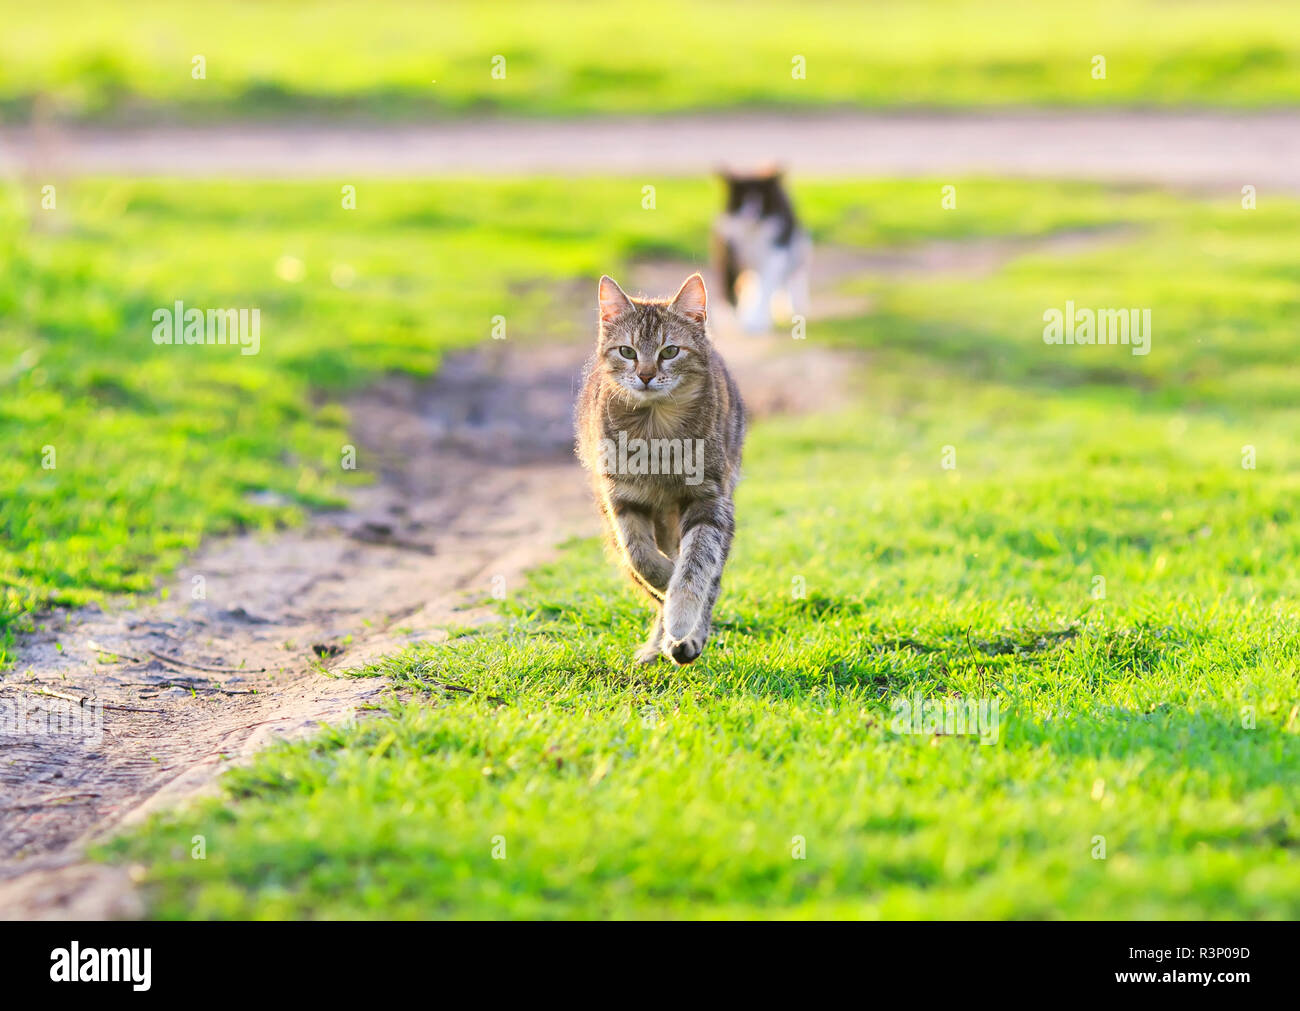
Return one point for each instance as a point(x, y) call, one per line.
point(1097, 561)
point(153, 447)
point(82, 60)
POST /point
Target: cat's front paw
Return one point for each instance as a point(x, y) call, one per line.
point(683, 651)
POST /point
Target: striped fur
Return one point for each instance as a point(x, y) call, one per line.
point(670, 531)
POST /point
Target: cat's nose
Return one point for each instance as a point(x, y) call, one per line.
point(645, 377)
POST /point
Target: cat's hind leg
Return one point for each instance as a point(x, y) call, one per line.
point(755, 308)
point(668, 536)
point(651, 650)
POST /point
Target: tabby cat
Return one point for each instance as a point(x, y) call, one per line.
point(660, 426)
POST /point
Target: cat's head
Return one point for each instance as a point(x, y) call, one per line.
point(653, 348)
point(755, 194)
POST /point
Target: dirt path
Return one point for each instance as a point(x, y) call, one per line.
point(1194, 149)
point(476, 484)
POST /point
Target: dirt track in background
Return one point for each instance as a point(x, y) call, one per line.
point(475, 479)
point(1185, 149)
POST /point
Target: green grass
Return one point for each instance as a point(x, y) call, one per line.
point(154, 447)
point(1160, 714)
point(83, 60)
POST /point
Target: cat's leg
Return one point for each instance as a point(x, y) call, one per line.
point(633, 529)
point(756, 304)
point(707, 529)
point(650, 650)
point(637, 532)
point(725, 266)
point(773, 281)
point(668, 525)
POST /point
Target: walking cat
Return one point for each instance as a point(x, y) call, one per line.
point(758, 235)
point(660, 425)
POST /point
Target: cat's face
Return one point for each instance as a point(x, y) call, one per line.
point(753, 196)
point(653, 349)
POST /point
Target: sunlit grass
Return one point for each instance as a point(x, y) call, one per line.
point(400, 59)
point(1098, 561)
point(121, 454)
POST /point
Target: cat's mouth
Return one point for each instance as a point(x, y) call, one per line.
point(642, 394)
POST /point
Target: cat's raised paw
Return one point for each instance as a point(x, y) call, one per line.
point(682, 651)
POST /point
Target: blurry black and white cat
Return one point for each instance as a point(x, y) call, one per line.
point(761, 254)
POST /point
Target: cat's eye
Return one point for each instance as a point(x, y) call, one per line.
point(669, 352)
point(627, 352)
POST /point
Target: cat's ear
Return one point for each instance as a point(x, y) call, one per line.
point(612, 300)
point(691, 300)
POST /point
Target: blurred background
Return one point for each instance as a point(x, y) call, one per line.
point(88, 63)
